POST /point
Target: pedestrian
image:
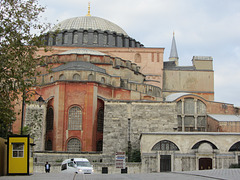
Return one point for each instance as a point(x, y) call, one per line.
point(47, 167)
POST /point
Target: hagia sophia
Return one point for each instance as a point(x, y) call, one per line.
point(106, 93)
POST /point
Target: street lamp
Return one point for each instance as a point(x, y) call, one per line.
point(40, 101)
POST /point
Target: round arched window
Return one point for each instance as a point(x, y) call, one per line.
point(75, 118)
point(74, 145)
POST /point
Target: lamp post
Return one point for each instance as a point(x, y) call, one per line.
point(40, 101)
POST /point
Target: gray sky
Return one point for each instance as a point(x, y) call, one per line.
point(202, 28)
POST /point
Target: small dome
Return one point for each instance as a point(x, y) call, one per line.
point(88, 22)
point(83, 51)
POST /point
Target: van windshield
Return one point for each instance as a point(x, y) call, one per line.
point(83, 164)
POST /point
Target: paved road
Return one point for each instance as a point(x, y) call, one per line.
point(225, 174)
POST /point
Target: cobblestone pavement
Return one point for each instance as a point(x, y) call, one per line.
point(220, 174)
point(217, 173)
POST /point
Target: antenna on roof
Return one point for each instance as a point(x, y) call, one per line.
point(88, 14)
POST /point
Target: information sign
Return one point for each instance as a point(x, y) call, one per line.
point(120, 160)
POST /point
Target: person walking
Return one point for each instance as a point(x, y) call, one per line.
point(47, 167)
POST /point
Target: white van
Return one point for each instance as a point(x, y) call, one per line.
point(77, 165)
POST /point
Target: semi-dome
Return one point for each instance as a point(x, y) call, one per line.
point(79, 66)
point(88, 22)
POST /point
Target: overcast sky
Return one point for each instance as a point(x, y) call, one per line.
point(202, 28)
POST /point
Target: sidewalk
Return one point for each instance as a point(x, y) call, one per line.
point(219, 174)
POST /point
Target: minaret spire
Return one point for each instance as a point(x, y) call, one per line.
point(173, 53)
point(88, 14)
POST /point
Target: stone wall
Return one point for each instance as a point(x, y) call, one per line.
point(125, 121)
point(56, 158)
point(35, 119)
point(190, 81)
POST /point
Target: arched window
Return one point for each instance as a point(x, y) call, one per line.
point(123, 41)
point(76, 77)
point(54, 40)
point(196, 146)
point(165, 145)
point(102, 80)
point(130, 43)
point(158, 93)
point(189, 106)
point(49, 119)
point(137, 58)
point(235, 147)
point(65, 38)
point(46, 40)
point(74, 145)
point(75, 37)
point(85, 37)
point(51, 79)
point(191, 115)
point(122, 84)
point(75, 118)
point(100, 120)
point(105, 38)
point(150, 92)
point(114, 39)
point(99, 145)
point(48, 146)
point(90, 77)
point(95, 37)
point(62, 77)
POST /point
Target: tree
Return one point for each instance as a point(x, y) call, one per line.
point(21, 34)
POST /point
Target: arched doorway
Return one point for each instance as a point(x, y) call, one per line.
point(205, 163)
point(166, 147)
point(205, 155)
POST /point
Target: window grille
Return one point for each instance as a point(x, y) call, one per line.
point(62, 77)
point(100, 119)
point(48, 145)
point(85, 37)
point(50, 118)
point(95, 37)
point(165, 145)
point(74, 145)
point(99, 145)
point(65, 38)
point(235, 147)
point(75, 37)
point(75, 118)
point(76, 77)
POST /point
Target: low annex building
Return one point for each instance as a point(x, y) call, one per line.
point(188, 151)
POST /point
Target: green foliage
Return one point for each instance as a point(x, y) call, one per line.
point(234, 166)
point(59, 160)
point(134, 156)
point(26, 130)
point(18, 46)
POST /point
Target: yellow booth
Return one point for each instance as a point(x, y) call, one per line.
point(19, 155)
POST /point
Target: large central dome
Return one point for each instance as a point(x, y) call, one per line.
point(89, 22)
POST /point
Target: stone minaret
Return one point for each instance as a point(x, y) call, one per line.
point(173, 53)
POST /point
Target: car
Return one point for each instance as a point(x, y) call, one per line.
point(77, 165)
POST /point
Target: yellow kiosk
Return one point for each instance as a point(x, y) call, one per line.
point(19, 155)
